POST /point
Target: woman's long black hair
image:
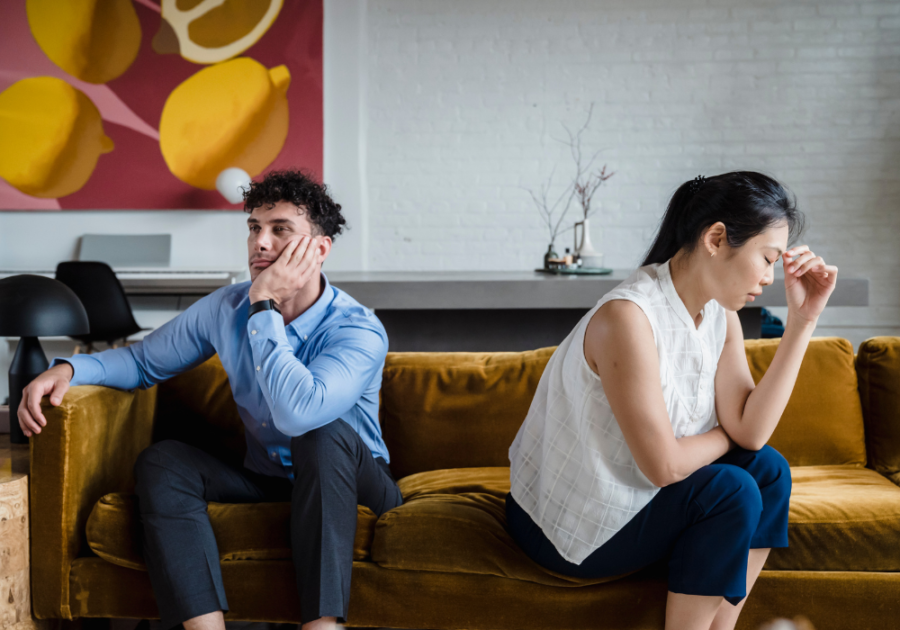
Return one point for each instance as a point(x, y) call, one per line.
point(747, 203)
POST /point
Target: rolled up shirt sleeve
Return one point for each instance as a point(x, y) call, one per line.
point(176, 346)
point(306, 397)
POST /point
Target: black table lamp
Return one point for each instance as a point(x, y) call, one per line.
point(31, 307)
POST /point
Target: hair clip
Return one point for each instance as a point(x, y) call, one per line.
point(696, 183)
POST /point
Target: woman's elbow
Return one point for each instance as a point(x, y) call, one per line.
point(660, 475)
point(746, 442)
point(750, 444)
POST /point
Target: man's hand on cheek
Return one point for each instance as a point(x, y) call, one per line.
point(289, 273)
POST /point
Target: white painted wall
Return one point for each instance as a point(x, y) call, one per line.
point(465, 97)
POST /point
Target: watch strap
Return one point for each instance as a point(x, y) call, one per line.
point(262, 305)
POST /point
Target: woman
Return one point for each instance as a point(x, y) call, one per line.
point(646, 438)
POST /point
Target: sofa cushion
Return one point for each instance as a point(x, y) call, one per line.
point(456, 409)
point(197, 407)
point(454, 521)
point(822, 423)
point(878, 366)
point(842, 518)
point(244, 531)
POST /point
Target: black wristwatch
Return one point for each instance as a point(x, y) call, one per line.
point(262, 305)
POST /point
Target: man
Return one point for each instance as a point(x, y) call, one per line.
point(304, 361)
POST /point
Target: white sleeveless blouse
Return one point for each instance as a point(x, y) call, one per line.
point(571, 469)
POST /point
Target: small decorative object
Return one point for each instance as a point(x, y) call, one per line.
point(551, 255)
point(585, 183)
point(31, 307)
point(584, 249)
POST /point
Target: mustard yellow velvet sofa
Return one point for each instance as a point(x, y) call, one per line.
point(444, 559)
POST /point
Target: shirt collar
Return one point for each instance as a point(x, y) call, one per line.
point(307, 322)
point(664, 273)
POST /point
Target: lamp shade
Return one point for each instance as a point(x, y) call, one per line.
point(35, 306)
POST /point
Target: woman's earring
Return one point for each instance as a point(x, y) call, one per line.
point(712, 254)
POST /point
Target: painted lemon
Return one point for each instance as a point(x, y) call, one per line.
point(210, 31)
point(93, 40)
point(51, 136)
point(232, 114)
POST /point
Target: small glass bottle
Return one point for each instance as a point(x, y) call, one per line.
point(551, 253)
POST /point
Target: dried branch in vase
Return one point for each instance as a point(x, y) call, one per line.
point(547, 209)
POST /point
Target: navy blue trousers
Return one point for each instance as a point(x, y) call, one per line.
point(704, 525)
point(333, 472)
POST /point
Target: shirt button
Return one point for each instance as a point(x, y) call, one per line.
point(257, 368)
point(305, 337)
point(252, 332)
point(264, 425)
point(274, 454)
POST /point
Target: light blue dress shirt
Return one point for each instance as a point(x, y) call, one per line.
point(286, 380)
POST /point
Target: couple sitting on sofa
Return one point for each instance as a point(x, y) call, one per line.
point(645, 439)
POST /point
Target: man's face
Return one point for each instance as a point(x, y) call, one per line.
point(270, 230)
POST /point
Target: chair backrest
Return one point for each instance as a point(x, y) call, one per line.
point(101, 293)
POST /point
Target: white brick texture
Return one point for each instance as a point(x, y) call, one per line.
point(465, 99)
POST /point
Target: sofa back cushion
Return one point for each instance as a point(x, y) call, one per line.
point(463, 409)
point(878, 365)
point(198, 407)
point(822, 423)
point(456, 409)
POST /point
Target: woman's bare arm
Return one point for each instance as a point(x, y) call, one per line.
point(750, 414)
point(619, 347)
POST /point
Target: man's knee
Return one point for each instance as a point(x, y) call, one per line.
point(153, 468)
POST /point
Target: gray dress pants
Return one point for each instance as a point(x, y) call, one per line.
point(333, 472)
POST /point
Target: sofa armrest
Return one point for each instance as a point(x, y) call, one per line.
point(878, 370)
point(87, 450)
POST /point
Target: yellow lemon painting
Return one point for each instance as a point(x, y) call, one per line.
point(93, 40)
point(232, 114)
point(51, 136)
point(210, 32)
point(180, 90)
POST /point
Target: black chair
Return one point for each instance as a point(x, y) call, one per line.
point(98, 288)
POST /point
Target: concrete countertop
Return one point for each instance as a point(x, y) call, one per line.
point(410, 290)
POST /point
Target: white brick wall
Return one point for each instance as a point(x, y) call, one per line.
point(464, 97)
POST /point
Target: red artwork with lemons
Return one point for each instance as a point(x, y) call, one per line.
point(141, 104)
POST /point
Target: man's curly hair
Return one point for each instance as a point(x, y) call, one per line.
point(302, 190)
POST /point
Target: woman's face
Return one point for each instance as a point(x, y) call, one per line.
point(741, 273)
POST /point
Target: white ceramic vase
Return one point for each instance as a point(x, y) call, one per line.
point(590, 257)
